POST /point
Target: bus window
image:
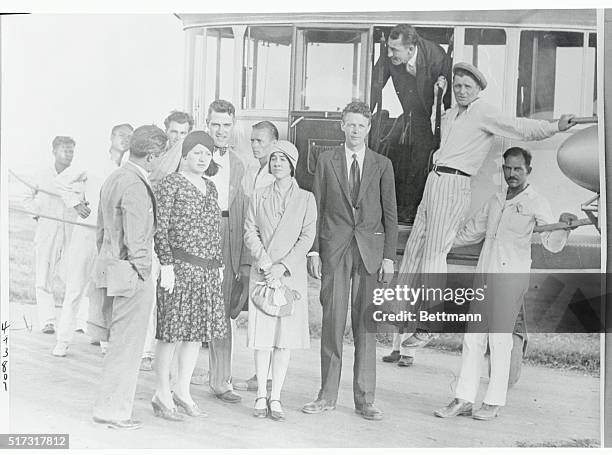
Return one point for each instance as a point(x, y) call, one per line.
point(550, 67)
point(267, 64)
point(219, 64)
point(592, 54)
point(486, 49)
point(333, 72)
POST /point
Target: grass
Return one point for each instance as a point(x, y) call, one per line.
point(581, 443)
point(577, 351)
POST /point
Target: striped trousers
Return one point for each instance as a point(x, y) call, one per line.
point(441, 213)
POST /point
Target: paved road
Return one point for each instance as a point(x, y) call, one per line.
point(54, 395)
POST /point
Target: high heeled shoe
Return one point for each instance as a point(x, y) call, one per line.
point(164, 412)
point(261, 413)
point(191, 410)
point(276, 415)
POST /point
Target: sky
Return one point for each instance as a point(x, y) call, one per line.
point(78, 75)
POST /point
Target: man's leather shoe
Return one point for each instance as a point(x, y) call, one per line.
point(120, 424)
point(49, 328)
point(405, 361)
point(370, 412)
point(317, 406)
point(391, 358)
point(486, 412)
point(249, 385)
point(418, 339)
point(457, 407)
point(229, 397)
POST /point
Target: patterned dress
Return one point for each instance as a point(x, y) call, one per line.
point(189, 220)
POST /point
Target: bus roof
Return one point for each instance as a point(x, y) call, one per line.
point(545, 18)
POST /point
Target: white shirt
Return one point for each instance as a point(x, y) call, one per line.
point(412, 62)
point(349, 160)
point(507, 228)
point(222, 179)
point(77, 184)
point(467, 138)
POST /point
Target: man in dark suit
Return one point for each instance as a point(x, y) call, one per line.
point(414, 65)
point(356, 241)
point(122, 270)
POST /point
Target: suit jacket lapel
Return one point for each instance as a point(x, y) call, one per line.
point(367, 173)
point(149, 190)
point(235, 176)
point(339, 165)
point(421, 73)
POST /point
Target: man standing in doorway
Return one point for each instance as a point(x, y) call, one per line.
point(414, 65)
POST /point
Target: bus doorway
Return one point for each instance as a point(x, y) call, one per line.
point(404, 134)
point(330, 69)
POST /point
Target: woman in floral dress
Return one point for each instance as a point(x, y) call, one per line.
point(189, 295)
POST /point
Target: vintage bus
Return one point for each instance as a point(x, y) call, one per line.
point(299, 70)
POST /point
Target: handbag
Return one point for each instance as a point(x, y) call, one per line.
point(274, 300)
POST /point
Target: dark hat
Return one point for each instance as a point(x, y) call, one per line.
point(194, 138)
point(474, 72)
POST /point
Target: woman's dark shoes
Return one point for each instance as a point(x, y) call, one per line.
point(165, 412)
point(260, 413)
point(276, 415)
point(191, 410)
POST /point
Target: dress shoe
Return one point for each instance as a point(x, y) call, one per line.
point(60, 349)
point(369, 412)
point(191, 410)
point(391, 358)
point(250, 385)
point(229, 397)
point(457, 407)
point(165, 412)
point(405, 361)
point(276, 415)
point(120, 424)
point(486, 412)
point(317, 406)
point(261, 413)
point(146, 364)
point(418, 339)
point(49, 328)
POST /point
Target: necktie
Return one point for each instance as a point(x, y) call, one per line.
point(354, 180)
point(222, 150)
point(411, 69)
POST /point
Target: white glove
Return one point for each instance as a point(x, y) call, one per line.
point(167, 278)
point(221, 269)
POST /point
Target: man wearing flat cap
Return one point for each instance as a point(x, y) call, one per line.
point(122, 270)
point(468, 131)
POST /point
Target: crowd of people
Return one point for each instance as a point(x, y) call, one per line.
point(175, 231)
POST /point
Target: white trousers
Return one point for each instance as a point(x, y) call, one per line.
point(150, 341)
point(472, 359)
point(80, 258)
point(398, 339)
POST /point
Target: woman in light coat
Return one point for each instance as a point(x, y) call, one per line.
point(279, 231)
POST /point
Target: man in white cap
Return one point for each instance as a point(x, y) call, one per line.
point(468, 131)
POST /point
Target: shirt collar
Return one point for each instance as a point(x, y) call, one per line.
point(349, 153)
point(140, 169)
point(412, 61)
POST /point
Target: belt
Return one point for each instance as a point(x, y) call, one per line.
point(225, 213)
point(449, 170)
point(184, 256)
